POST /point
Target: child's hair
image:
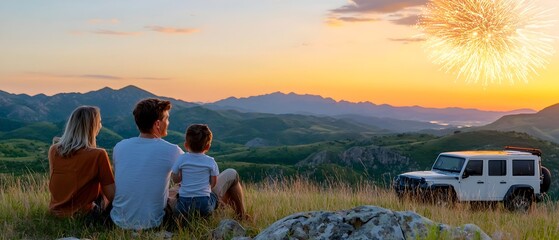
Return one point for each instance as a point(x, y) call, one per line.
point(198, 136)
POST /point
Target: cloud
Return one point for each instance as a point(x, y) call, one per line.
point(357, 19)
point(407, 40)
point(94, 76)
point(97, 21)
point(116, 33)
point(408, 20)
point(351, 2)
point(377, 6)
point(112, 77)
point(339, 20)
point(171, 30)
point(400, 12)
point(97, 76)
point(153, 78)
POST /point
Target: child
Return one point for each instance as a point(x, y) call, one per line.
point(197, 173)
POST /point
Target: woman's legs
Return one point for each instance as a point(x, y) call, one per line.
point(230, 191)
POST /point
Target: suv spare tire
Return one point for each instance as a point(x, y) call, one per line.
point(546, 181)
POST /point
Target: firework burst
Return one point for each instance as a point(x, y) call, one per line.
point(487, 40)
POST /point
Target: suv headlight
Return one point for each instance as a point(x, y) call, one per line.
point(426, 183)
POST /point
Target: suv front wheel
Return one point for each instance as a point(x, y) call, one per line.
point(444, 197)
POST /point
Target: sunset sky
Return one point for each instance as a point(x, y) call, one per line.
point(207, 50)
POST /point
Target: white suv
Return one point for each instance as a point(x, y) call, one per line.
point(514, 176)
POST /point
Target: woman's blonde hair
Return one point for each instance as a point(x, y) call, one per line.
point(81, 131)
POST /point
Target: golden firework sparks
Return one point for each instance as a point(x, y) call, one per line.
point(487, 40)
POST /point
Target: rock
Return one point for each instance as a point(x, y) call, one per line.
point(468, 231)
point(501, 236)
point(72, 238)
point(228, 229)
point(364, 222)
point(241, 238)
point(368, 157)
point(416, 225)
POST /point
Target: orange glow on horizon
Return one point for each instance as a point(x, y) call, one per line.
point(367, 60)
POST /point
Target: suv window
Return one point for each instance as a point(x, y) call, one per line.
point(475, 167)
point(448, 163)
point(523, 167)
point(497, 167)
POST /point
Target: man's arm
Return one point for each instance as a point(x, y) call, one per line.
point(213, 174)
point(176, 171)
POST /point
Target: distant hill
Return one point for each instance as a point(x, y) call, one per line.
point(113, 103)
point(8, 125)
point(391, 124)
point(281, 103)
point(543, 124)
point(228, 127)
point(21, 156)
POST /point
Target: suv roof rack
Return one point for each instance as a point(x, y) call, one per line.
point(533, 151)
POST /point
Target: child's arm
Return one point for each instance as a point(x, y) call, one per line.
point(213, 181)
point(177, 178)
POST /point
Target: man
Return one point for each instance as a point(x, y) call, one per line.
point(142, 168)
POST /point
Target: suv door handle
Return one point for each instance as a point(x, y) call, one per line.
point(503, 182)
point(480, 182)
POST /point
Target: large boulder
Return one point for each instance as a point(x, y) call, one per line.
point(365, 222)
point(228, 229)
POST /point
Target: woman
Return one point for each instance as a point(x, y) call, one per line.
point(81, 177)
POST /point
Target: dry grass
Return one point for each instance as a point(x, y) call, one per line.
point(23, 211)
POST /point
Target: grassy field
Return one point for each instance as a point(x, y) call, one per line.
point(24, 199)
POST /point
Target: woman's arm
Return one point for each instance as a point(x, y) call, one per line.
point(50, 156)
point(109, 192)
point(106, 176)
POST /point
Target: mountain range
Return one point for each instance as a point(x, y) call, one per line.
point(273, 119)
point(281, 103)
point(114, 103)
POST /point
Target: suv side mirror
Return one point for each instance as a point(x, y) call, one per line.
point(466, 174)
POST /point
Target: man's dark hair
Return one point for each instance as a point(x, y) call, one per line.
point(149, 110)
point(198, 136)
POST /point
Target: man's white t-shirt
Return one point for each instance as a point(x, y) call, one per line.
point(142, 169)
point(196, 170)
